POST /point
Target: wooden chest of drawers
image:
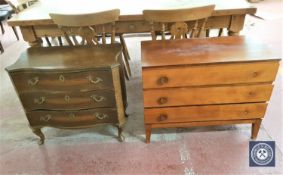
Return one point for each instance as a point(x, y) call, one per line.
point(212, 81)
point(71, 87)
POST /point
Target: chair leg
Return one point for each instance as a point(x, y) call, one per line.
point(1, 48)
point(48, 41)
point(15, 32)
point(2, 27)
point(122, 40)
point(220, 32)
point(126, 56)
point(207, 31)
point(60, 40)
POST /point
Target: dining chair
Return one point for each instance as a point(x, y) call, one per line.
point(90, 29)
point(178, 23)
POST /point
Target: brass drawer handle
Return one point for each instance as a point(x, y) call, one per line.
point(97, 79)
point(33, 81)
point(162, 100)
point(72, 115)
point(100, 116)
point(62, 78)
point(67, 98)
point(97, 98)
point(162, 80)
point(39, 101)
point(45, 118)
point(162, 117)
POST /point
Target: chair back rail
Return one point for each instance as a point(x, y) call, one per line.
point(88, 26)
point(176, 21)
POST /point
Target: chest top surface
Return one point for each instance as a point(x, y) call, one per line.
point(61, 58)
point(205, 51)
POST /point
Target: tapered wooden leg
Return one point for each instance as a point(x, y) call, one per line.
point(207, 32)
point(60, 40)
point(147, 133)
point(48, 41)
point(220, 32)
point(1, 48)
point(37, 131)
point(126, 56)
point(120, 134)
point(125, 49)
point(16, 32)
point(255, 128)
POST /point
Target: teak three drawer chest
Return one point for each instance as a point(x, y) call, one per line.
point(213, 81)
point(70, 87)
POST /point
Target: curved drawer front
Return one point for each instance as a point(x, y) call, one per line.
point(207, 95)
point(210, 74)
point(72, 118)
point(68, 101)
point(205, 113)
point(55, 81)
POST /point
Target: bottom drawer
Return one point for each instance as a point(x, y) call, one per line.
point(204, 113)
point(70, 119)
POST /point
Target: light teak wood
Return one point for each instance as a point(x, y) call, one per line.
point(175, 21)
point(71, 87)
point(201, 82)
point(201, 75)
point(205, 113)
point(206, 95)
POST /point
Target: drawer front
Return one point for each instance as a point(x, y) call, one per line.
point(88, 80)
point(210, 74)
point(205, 113)
point(72, 118)
point(68, 101)
point(206, 95)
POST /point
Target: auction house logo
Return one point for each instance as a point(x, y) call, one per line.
point(262, 153)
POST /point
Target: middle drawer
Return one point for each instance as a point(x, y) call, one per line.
point(207, 95)
point(68, 100)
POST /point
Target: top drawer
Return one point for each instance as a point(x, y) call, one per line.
point(56, 81)
point(216, 74)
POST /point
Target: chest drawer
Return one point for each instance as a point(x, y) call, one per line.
point(205, 113)
point(216, 74)
point(207, 95)
point(72, 118)
point(55, 81)
point(68, 100)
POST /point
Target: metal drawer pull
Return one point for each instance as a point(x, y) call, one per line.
point(40, 100)
point(100, 116)
point(162, 117)
point(97, 79)
point(62, 78)
point(33, 81)
point(45, 118)
point(72, 115)
point(67, 98)
point(162, 80)
point(162, 100)
point(97, 98)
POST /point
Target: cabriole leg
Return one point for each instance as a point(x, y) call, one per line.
point(37, 131)
point(120, 134)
